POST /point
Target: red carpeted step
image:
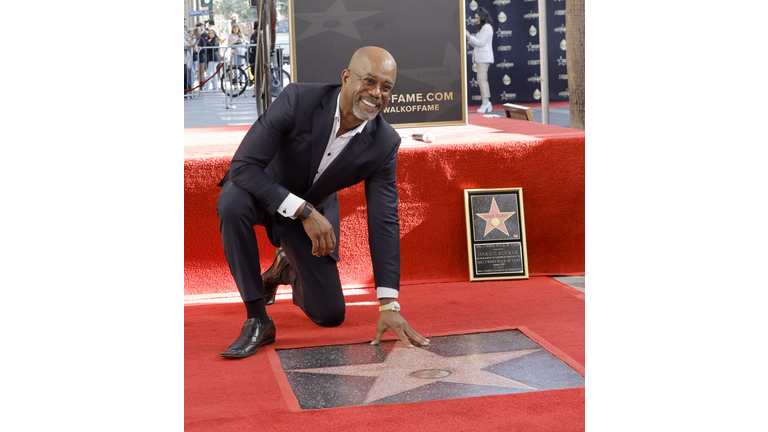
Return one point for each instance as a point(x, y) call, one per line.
point(546, 161)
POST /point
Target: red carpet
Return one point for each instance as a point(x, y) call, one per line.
point(546, 161)
point(222, 395)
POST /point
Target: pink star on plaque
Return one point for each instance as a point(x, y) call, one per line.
point(495, 219)
point(409, 368)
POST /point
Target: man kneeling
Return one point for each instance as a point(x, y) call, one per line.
point(314, 140)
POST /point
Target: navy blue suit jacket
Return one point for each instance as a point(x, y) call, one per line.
point(282, 151)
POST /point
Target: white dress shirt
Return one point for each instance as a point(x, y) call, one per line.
point(335, 145)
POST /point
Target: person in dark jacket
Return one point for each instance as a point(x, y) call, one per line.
point(314, 140)
point(199, 53)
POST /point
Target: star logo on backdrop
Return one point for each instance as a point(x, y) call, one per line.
point(508, 96)
point(495, 219)
point(561, 61)
point(336, 18)
point(410, 368)
point(473, 83)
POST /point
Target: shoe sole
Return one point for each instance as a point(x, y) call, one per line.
point(271, 341)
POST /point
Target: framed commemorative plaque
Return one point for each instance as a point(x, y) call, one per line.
point(495, 234)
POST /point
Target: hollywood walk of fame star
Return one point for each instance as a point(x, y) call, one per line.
point(336, 18)
point(495, 219)
point(401, 370)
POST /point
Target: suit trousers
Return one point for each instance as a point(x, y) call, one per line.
point(315, 280)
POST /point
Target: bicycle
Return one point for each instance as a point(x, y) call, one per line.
point(236, 79)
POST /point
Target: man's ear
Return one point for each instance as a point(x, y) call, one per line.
point(344, 77)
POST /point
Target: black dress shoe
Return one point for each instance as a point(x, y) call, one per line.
point(254, 335)
point(271, 277)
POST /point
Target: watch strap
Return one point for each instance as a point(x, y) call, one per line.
point(394, 306)
point(306, 212)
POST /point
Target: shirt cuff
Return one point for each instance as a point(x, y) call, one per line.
point(383, 292)
point(290, 204)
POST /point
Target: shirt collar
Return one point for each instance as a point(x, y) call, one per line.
point(337, 121)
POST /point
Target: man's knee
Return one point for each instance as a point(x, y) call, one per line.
point(232, 204)
point(328, 317)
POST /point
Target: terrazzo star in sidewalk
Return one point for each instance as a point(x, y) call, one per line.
point(406, 369)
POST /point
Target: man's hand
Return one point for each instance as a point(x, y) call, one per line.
point(320, 232)
point(391, 320)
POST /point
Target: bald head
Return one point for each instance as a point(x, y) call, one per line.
point(373, 57)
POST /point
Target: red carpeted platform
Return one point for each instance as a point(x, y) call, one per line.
point(546, 161)
point(228, 395)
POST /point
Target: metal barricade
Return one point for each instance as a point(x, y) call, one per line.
point(232, 74)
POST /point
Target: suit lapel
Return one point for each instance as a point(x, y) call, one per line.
point(322, 122)
point(354, 147)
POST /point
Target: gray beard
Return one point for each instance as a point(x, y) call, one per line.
point(360, 114)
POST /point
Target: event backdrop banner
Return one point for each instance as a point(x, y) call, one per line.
point(515, 76)
point(426, 38)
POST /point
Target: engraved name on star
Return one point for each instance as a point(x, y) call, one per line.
point(410, 368)
point(336, 18)
point(495, 219)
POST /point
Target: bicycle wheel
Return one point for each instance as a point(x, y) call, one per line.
point(234, 81)
point(279, 84)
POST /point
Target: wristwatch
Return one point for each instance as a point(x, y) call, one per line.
point(394, 306)
point(306, 212)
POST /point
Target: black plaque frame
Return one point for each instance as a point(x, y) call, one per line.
point(495, 238)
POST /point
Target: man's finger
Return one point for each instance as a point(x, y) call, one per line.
point(331, 242)
point(328, 248)
point(379, 333)
point(404, 338)
point(314, 246)
point(421, 340)
point(320, 247)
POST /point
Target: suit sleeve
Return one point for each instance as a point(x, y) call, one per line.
point(259, 147)
point(383, 223)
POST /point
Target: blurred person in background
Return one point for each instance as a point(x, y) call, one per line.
point(212, 44)
point(235, 38)
point(252, 49)
point(189, 43)
point(194, 56)
point(482, 55)
point(201, 52)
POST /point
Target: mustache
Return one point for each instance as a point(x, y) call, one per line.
point(370, 99)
